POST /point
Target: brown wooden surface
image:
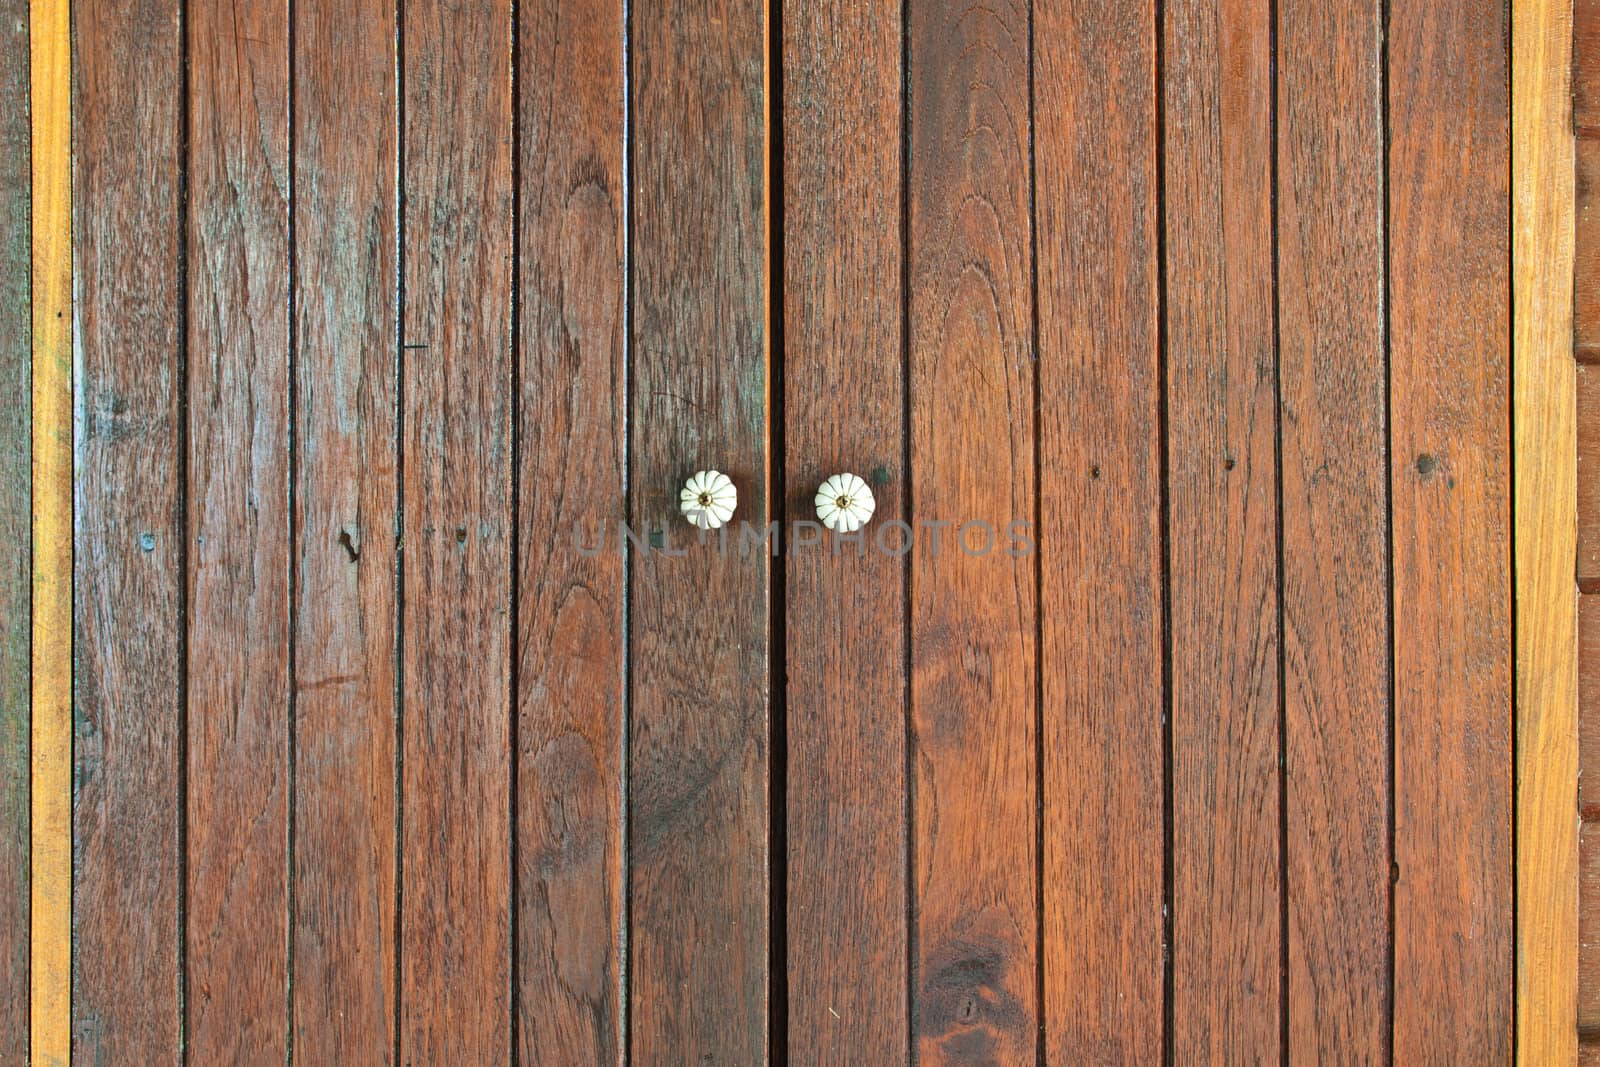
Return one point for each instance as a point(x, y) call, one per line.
point(456, 269)
point(572, 473)
point(973, 617)
point(1100, 529)
point(845, 628)
point(698, 623)
point(1450, 335)
point(1588, 699)
point(1223, 528)
point(1335, 527)
point(1589, 925)
point(129, 553)
point(1586, 66)
point(1586, 251)
point(15, 534)
point(1588, 427)
point(237, 497)
point(345, 352)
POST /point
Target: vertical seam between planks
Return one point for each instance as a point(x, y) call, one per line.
point(1388, 504)
point(1168, 976)
point(1279, 536)
point(291, 463)
point(513, 711)
point(399, 516)
point(1512, 531)
point(1041, 1014)
point(777, 572)
point(907, 570)
point(185, 102)
point(625, 731)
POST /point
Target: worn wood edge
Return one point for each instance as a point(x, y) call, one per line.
point(1545, 536)
point(51, 727)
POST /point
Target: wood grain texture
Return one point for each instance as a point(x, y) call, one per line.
point(1586, 389)
point(16, 533)
point(1586, 266)
point(844, 403)
point(346, 347)
point(1332, 375)
point(573, 470)
point(1589, 724)
point(1587, 972)
point(1586, 64)
point(1544, 461)
point(48, 1031)
point(1100, 529)
point(457, 245)
point(1450, 330)
point(973, 617)
point(1223, 525)
point(699, 634)
point(237, 966)
point(129, 522)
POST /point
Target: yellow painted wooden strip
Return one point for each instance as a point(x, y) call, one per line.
point(51, 974)
point(1546, 533)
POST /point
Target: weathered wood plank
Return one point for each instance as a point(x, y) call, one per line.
point(1450, 332)
point(699, 737)
point(573, 478)
point(346, 347)
point(1589, 725)
point(457, 242)
point(238, 523)
point(129, 558)
point(1586, 267)
point(1544, 462)
point(1586, 393)
point(1100, 529)
point(1587, 972)
point(1335, 537)
point(1586, 64)
point(845, 628)
point(16, 523)
point(973, 618)
point(1223, 528)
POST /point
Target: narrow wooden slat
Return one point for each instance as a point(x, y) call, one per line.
point(1586, 63)
point(573, 426)
point(1222, 486)
point(238, 528)
point(345, 343)
point(1334, 428)
point(844, 404)
point(973, 618)
point(16, 534)
point(699, 735)
point(457, 244)
point(1586, 390)
point(1586, 268)
point(1589, 725)
point(1449, 385)
point(1100, 529)
point(1545, 444)
point(1586, 971)
point(41, 1032)
point(128, 97)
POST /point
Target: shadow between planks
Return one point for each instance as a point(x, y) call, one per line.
point(388, 317)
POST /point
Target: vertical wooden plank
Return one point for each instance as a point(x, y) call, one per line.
point(1587, 432)
point(16, 534)
point(1100, 529)
point(457, 260)
point(1450, 336)
point(1223, 524)
point(346, 346)
point(1335, 526)
point(129, 557)
point(1544, 461)
point(699, 622)
point(573, 496)
point(44, 1034)
point(973, 617)
point(1586, 255)
point(844, 626)
point(238, 527)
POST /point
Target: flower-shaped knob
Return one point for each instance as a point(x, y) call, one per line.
point(844, 503)
point(708, 499)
